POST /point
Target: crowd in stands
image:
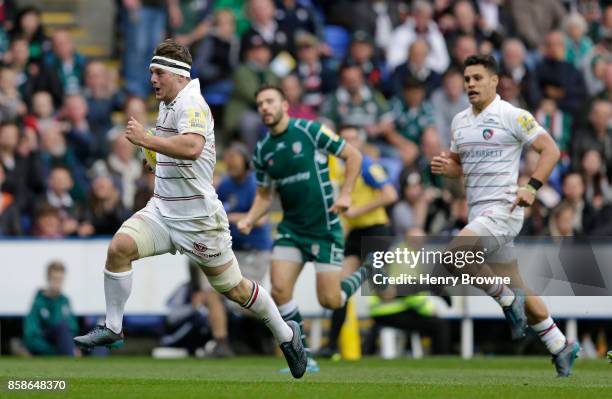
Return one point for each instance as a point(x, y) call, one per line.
point(390, 68)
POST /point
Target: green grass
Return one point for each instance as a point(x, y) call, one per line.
point(447, 378)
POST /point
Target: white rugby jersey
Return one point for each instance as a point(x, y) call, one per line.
point(183, 188)
point(490, 146)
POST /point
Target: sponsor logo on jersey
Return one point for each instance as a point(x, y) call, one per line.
point(528, 123)
point(199, 247)
point(280, 146)
point(314, 248)
point(487, 134)
point(196, 119)
point(329, 133)
point(296, 147)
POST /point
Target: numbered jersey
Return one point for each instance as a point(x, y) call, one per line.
point(295, 164)
point(183, 188)
point(490, 146)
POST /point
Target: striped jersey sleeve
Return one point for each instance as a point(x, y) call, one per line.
point(326, 139)
point(262, 177)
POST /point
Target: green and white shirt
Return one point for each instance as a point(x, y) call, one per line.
point(295, 163)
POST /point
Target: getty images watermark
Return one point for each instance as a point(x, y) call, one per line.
point(411, 259)
point(555, 266)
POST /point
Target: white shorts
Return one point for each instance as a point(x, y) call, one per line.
point(496, 227)
point(206, 241)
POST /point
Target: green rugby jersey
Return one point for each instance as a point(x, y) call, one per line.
point(295, 164)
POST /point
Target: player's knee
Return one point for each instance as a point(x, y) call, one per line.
point(228, 280)
point(280, 294)
point(121, 249)
point(240, 293)
point(329, 300)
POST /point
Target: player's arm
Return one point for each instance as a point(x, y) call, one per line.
point(352, 161)
point(182, 146)
point(262, 203)
point(447, 164)
point(549, 156)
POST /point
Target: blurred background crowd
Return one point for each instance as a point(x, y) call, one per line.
point(390, 68)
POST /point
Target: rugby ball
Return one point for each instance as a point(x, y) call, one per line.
point(149, 155)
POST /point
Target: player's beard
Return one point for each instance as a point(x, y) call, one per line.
point(277, 117)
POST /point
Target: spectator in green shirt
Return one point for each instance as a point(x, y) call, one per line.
point(50, 324)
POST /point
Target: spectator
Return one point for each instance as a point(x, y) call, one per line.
point(297, 16)
point(54, 152)
point(43, 112)
point(50, 324)
point(30, 28)
point(190, 20)
point(420, 25)
point(79, 135)
point(264, 25)
point(102, 100)
point(559, 80)
point(11, 105)
point(105, 212)
point(577, 43)
point(603, 27)
point(593, 66)
point(598, 191)
point(362, 52)
point(596, 135)
point(509, 91)
point(412, 113)
point(22, 173)
point(561, 220)
point(70, 211)
point(411, 210)
point(513, 63)
point(31, 74)
point(585, 215)
point(240, 115)
point(217, 56)
point(447, 102)
point(47, 223)
point(293, 93)
point(318, 75)
point(558, 124)
point(142, 24)
point(10, 222)
point(122, 166)
point(416, 67)
point(466, 24)
point(67, 63)
point(606, 93)
point(186, 323)
point(461, 48)
point(378, 18)
point(533, 20)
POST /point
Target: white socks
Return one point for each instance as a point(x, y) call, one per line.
point(117, 289)
point(501, 293)
point(262, 305)
point(550, 335)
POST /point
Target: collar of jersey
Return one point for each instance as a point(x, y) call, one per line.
point(193, 83)
point(490, 108)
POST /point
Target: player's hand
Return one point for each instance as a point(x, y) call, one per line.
point(524, 198)
point(439, 164)
point(244, 226)
point(343, 202)
point(135, 132)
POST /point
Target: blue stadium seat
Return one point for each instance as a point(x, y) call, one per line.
point(338, 39)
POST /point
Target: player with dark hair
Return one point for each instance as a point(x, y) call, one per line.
point(486, 144)
point(293, 160)
point(184, 214)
